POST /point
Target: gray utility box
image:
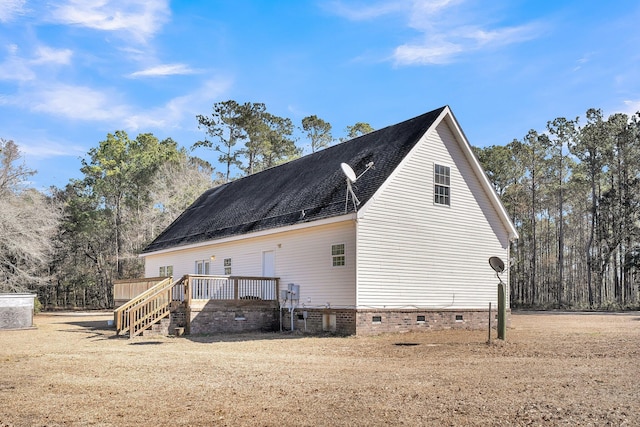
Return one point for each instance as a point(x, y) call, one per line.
point(16, 311)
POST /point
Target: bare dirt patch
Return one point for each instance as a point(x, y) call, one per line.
point(554, 369)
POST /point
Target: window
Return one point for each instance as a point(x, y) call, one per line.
point(202, 267)
point(337, 255)
point(166, 271)
point(442, 183)
point(227, 266)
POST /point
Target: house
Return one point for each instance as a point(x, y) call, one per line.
point(412, 254)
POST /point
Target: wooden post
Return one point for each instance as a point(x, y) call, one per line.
point(116, 321)
point(235, 288)
point(132, 317)
point(489, 340)
point(502, 312)
point(186, 279)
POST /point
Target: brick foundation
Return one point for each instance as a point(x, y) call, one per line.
point(371, 322)
point(250, 316)
point(339, 321)
point(377, 321)
point(178, 318)
point(236, 317)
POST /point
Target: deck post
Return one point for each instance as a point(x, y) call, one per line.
point(187, 299)
point(132, 321)
point(235, 289)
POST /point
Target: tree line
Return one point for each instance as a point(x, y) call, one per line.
point(69, 244)
point(573, 193)
point(571, 190)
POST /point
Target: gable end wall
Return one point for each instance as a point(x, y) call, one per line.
point(413, 253)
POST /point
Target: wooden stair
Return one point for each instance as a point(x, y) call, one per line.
point(146, 310)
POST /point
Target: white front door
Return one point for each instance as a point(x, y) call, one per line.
point(268, 264)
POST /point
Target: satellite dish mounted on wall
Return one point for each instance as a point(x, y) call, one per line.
point(351, 178)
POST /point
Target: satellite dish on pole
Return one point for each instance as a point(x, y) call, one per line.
point(349, 173)
point(497, 264)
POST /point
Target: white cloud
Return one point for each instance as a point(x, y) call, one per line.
point(164, 70)
point(141, 19)
point(447, 29)
point(586, 58)
point(47, 55)
point(435, 52)
point(76, 102)
point(47, 149)
point(21, 69)
point(107, 106)
point(176, 111)
point(9, 9)
point(442, 48)
point(15, 68)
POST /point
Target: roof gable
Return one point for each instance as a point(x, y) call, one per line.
point(306, 189)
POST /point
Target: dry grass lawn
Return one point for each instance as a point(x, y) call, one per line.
point(554, 369)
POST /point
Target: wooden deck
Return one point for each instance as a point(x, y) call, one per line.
point(159, 296)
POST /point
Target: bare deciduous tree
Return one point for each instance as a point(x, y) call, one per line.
point(28, 221)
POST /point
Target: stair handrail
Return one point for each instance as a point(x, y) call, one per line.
point(121, 317)
point(150, 310)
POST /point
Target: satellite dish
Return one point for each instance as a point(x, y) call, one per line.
point(351, 178)
point(351, 175)
point(497, 264)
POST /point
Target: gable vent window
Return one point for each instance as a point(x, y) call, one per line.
point(338, 255)
point(227, 266)
point(442, 186)
point(202, 267)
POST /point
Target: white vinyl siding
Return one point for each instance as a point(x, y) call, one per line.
point(301, 257)
point(413, 253)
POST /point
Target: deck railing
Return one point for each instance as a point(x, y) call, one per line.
point(233, 288)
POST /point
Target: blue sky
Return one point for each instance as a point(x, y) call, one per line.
point(72, 71)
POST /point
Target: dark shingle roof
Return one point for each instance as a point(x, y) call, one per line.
point(314, 183)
